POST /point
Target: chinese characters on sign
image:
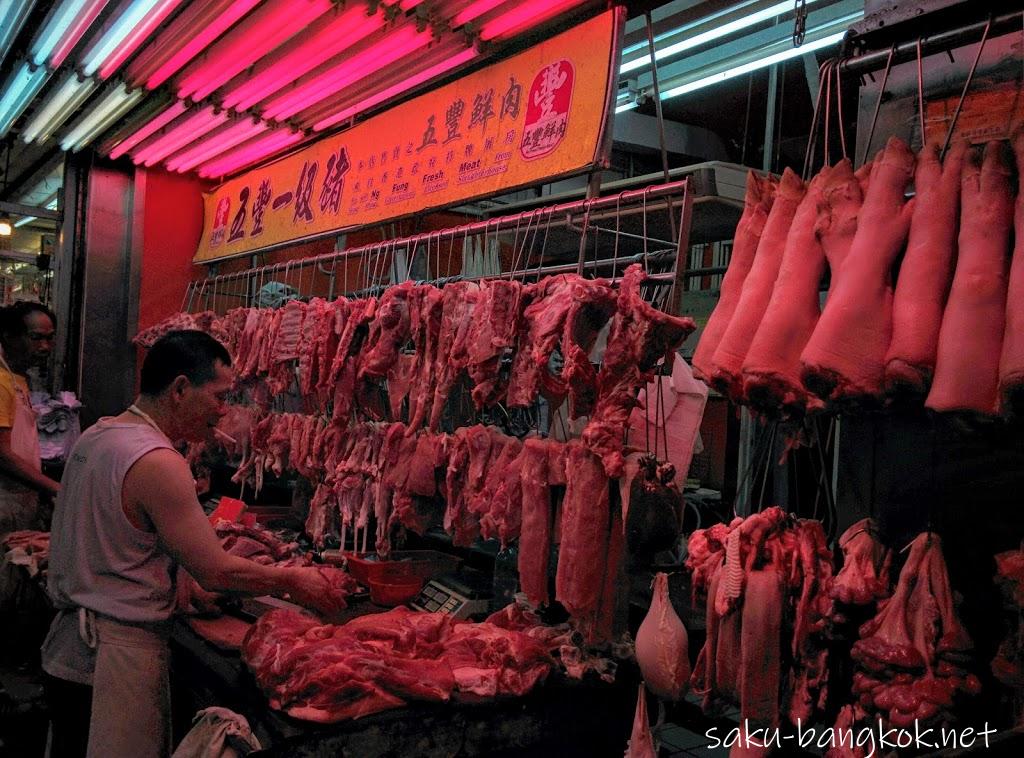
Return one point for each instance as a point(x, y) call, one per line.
point(540, 114)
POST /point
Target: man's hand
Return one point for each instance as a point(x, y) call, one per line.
point(311, 589)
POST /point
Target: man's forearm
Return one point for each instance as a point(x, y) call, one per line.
point(15, 466)
point(248, 577)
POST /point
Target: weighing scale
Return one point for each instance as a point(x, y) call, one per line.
point(458, 595)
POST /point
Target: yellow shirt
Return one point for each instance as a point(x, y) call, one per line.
point(10, 385)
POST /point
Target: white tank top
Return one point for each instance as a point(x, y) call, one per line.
point(98, 559)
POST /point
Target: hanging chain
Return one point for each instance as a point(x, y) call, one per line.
point(800, 23)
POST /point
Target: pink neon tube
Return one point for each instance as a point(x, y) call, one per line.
point(320, 45)
point(196, 42)
point(167, 116)
point(267, 27)
point(136, 37)
point(75, 31)
point(249, 153)
point(397, 89)
point(524, 16)
point(475, 10)
point(392, 48)
point(188, 130)
point(216, 144)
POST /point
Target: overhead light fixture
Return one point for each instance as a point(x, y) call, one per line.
point(265, 29)
point(134, 20)
point(474, 11)
point(393, 47)
point(6, 229)
point(524, 16)
point(165, 117)
point(249, 153)
point(746, 68)
point(12, 17)
point(117, 101)
point(63, 27)
point(188, 130)
point(217, 143)
point(54, 111)
point(19, 89)
point(397, 89)
point(328, 38)
point(195, 28)
point(703, 38)
point(23, 221)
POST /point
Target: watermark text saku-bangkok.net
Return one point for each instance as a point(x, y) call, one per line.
point(870, 739)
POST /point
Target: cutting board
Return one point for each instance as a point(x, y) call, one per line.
point(226, 632)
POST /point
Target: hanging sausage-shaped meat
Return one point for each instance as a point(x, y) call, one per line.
point(662, 646)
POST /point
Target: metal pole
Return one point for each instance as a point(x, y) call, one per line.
point(658, 111)
point(769, 116)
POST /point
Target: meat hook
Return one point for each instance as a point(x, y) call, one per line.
point(920, 89)
point(878, 105)
point(967, 85)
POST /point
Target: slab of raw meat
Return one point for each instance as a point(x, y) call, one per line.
point(640, 336)
point(771, 369)
point(543, 323)
point(845, 356)
point(727, 362)
point(926, 272)
point(535, 540)
point(756, 205)
point(971, 339)
point(593, 304)
point(581, 561)
point(1011, 365)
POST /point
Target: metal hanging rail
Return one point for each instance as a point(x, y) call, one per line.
point(930, 44)
point(576, 216)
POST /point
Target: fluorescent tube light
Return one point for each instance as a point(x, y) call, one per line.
point(730, 27)
point(24, 220)
point(104, 114)
point(135, 20)
point(19, 89)
point(12, 16)
point(745, 68)
point(62, 102)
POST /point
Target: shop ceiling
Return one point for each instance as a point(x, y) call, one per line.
point(213, 86)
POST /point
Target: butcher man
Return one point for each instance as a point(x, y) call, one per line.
point(126, 515)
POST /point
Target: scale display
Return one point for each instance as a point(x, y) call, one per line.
point(439, 597)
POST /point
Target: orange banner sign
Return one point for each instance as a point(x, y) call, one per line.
point(541, 114)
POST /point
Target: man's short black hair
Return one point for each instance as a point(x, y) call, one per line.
point(12, 317)
point(187, 352)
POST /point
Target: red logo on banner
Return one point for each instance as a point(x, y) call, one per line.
point(220, 221)
point(547, 109)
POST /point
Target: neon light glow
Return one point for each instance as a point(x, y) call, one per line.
point(187, 36)
point(477, 9)
point(187, 131)
point(250, 153)
point(12, 16)
point(393, 47)
point(169, 114)
point(133, 22)
point(267, 27)
point(397, 89)
point(105, 113)
point(64, 26)
point(710, 35)
point(62, 102)
point(746, 68)
point(524, 17)
point(235, 134)
point(317, 46)
point(19, 89)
